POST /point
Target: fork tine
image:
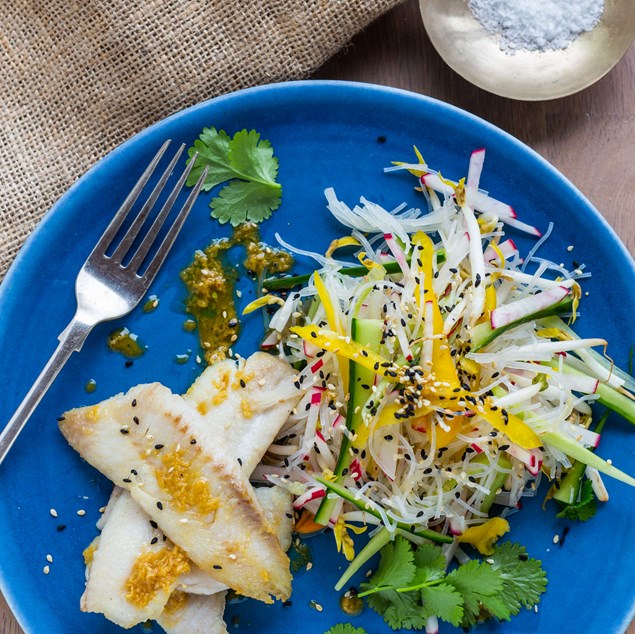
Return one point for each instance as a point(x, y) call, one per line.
point(166, 245)
point(135, 227)
point(110, 232)
point(138, 258)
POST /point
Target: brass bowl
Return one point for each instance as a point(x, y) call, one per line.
point(474, 54)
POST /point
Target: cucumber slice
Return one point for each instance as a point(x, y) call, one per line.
point(482, 334)
point(368, 332)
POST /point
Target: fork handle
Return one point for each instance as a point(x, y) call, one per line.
point(71, 340)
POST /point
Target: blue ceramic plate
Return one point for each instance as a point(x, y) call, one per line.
point(325, 134)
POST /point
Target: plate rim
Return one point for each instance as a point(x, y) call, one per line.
point(310, 84)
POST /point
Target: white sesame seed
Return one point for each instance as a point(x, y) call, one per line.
point(49, 558)
point(309, 566)
point(53, 512)
point(184, 520)
point(318, 607)
point(262, 382)
point(570, 248)
point(556, 539)
point(81, 512)
point(609, 461)
point(232, 557)
point(239, 293)
point(46, 570)
point(102, 509)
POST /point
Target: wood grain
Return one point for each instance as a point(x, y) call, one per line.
point(589, 137)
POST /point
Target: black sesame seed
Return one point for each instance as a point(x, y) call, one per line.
point(240, 462)
point(127, 480)
point(154, 524)
point(60, 418)
point(217, 567)
point(159, 446)
point(160, 506)
point(153, 541)
point(193, 441)
point(61, 527)
point(124, 430)
point(134, 402)
point(136, 420)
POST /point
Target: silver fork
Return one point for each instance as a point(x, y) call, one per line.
point(105, 287)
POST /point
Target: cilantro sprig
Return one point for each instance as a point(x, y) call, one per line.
point(410, 586)
point(345, 628)
point(244, 161)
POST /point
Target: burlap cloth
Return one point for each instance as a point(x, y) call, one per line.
point(78, 78)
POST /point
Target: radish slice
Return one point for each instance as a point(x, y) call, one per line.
point(508, 248)
point(576, 383)
point(398, 253)
point(508, 313)
point(432, 625)
point(598, 485)
point(474, 172)
point(479, 201)
point(305, 498)
point(585, 436)
point(309, 349)
point(270, 341)
point(531, 459)
point(477, 264)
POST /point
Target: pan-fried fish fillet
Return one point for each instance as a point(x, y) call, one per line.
point(162, 450)
point(130, 578)
point(194, 614)
point(277, 505)
point(246, 404)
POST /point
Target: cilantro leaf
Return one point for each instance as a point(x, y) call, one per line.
point(444, 602)
point(523, 578)
point(345, 628)
point(241, 201)
point(583, 510)
point(212, 147)
point(396, 567)
point(253, 158)
point(247, 163)
point(475, 581)
point(430, 556)
point(402, 610)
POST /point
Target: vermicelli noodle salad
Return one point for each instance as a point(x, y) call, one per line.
point(442, 379)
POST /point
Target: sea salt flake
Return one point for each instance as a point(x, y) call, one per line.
point(536, 25)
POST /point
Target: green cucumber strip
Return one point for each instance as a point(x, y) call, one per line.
point(572, 481)
point(368, 332)
point(482, 334)
point(576, 451)
point(498, 482)
point(608, 396)
point(286, 283)
point(347, 495)
point(374, 545)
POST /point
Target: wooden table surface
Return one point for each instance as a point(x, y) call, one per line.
point(589, 137)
